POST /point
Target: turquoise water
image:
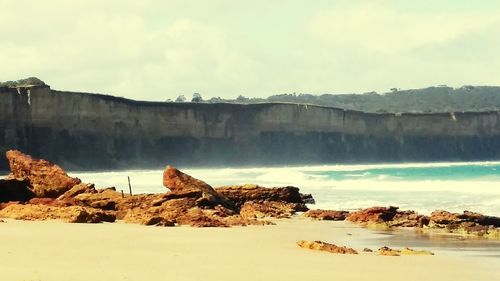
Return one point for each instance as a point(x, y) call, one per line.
point(457, 172)
point(423, 187)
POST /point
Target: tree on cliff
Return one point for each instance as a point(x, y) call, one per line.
point(196, 98)
point(180, 98)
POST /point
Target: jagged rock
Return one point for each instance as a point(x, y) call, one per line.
point(15, 190)
point(78, 189)
point(386, 251)
point(45, 178)
point(53, 202)
point(72, 214)
point(177, 181)
point(468, 223)
point(197, 218)
point(140, 216)
point(272, 209)
point(388, 217)
point(327, 247)
point(326, 215)
point(240, 194)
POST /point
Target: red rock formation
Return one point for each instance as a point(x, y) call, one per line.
point(327, 247)
point(177, 181)
point(390, 216)
point(72, 214)
point(274, 209)
point(46, 179)
point(240, 194)
point(326, 215)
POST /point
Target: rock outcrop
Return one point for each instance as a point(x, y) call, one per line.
point(239, 194)
point(327, 247)
point(45, 179)
point(327, 215)
point(72, 214)
point(388, 216)
point(386, 251)
point(468, 223)
point(178, 181)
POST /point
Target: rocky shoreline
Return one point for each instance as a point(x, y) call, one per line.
point(39, 190)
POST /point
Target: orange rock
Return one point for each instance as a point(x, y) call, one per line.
point(177, 181)
point(240, 194)
point(72, 214)
point(327, 247)
point(46, 179)
point(326, 215)
point(389, 216)
point(274, 209)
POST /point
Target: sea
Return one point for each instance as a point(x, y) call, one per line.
point(422, 187)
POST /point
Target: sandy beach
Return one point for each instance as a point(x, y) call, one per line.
point(53, 250)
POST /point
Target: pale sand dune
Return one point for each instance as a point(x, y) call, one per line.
point(52, 251)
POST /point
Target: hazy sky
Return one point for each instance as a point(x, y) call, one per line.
point(154, 50)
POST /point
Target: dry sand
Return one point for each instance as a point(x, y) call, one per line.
point(52, 251)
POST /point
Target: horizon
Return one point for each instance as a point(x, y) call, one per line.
point(159, 50)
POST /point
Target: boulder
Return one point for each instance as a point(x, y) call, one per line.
point(45, 178)
point(467, 223)
point(78, 189)
point(274, 209)
point(388, 217)
point(326, 215)
point(15, 190)
point(327, 247)
point(240, 194)
point(386, 251)
point(177, 181)
point(72, 214)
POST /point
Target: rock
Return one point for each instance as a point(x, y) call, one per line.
point(467, 223)
point(386, 251)
point(307, 198)
point(274, 209)
point(72, 214)
point(327, 247)
point(409, 251)
point(15, 190)
point(177, 181)
point(387, 217)
point(240, 194)
point(367, 250)
point(52, 202)
point(45, 179)
point(326, 215)
point(140, 216)
point(374, 214)
point(78, 189)
point(197, 218)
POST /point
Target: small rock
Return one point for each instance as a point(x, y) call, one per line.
point(367, 250)
point(327, 247)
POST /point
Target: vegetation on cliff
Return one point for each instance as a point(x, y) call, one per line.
point(30, 81)
point(432, 99)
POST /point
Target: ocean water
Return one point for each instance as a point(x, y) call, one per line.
point(423, 187)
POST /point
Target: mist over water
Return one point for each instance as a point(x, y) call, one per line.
point(419, 186)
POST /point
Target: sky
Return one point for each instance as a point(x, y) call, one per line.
point(158, 50)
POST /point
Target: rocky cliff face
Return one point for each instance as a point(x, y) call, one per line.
point(91, 131)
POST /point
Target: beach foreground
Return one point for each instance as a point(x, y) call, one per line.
point(53, 250)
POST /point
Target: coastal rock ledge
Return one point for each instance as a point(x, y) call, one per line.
point(39, 190)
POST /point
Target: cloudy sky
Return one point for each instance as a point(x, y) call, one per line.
point(155, 50)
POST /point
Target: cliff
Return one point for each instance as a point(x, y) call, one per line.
point(90, 131)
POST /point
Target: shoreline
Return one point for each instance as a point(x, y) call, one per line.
point(117, 251)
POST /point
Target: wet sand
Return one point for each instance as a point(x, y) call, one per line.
point(52, 251)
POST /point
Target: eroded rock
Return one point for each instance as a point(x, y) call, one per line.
point(45, 178)
point(327, 215)
point(327, 247)
point(15, 190)
point(72, 214)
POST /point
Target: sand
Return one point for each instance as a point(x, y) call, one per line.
point(52, 251)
